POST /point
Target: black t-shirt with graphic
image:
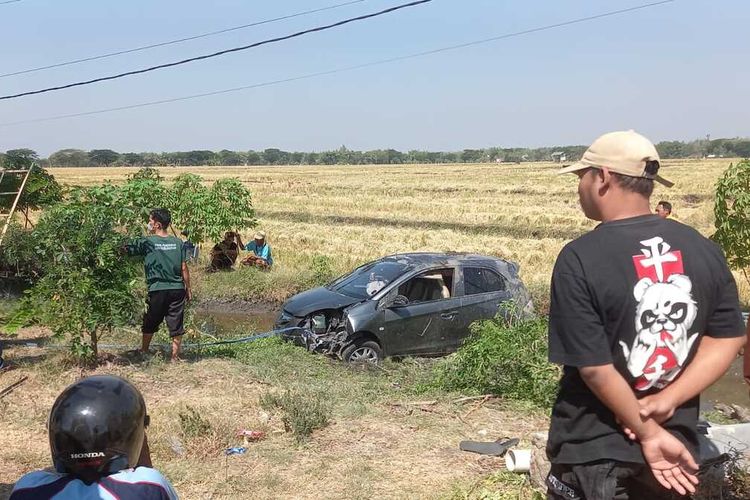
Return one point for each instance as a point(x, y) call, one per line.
point(637, 293)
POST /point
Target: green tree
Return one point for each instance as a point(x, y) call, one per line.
point(732, 213)
point(103, 157)
point(69, 158)
point(87, 287)
point(19, 158)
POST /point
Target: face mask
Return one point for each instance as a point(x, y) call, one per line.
point(150, 227)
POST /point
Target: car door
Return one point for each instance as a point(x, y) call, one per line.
point(425, 324)
point(484, 291)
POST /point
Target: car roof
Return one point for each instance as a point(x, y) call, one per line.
point(428, 259)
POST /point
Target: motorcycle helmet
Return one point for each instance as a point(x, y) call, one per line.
point(96, 427)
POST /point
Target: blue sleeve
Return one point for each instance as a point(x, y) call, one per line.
point(249, 247)
point(265, 253)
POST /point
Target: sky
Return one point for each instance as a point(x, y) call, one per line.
point(673, 71)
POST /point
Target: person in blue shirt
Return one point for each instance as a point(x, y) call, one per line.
point(261, 251)
point(97, 435)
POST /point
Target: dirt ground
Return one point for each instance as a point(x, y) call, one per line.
point(387, 449)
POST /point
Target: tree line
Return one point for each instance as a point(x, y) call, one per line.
point(736, 147)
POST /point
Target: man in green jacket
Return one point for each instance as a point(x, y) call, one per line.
point(167, 277)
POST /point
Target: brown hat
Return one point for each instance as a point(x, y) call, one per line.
point(626, 152)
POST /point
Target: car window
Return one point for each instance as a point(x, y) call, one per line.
point(482, 280)
point(436, 284)
point(368, 280)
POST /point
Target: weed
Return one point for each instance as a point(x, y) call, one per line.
point(301, 413)
point(507, 358)
point(192, 424)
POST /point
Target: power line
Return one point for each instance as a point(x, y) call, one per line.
point(345, 69)
point(215, 54)
point(10, 1)
point(178, 40)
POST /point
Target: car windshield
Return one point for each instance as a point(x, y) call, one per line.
point(369, 279)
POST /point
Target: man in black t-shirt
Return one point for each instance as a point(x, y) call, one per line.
point(644, 316)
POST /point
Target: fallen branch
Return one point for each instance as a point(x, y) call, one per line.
point(416, 403)
point(473, 398)
point(12, 387)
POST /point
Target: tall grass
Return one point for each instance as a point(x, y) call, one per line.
point(506, 357)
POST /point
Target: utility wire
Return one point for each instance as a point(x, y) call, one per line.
point(10, 1)
point(178, 40)
point(347, 68)
point(220, 53)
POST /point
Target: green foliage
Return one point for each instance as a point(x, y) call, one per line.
point(19, 253)
point(86, 288)
point(192, 424)
point(205, 212)
point(322, 270)
point(302, 413)
point(506, 357)
point(732, 213)
point(41, 189)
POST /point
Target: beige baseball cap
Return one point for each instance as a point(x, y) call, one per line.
point(625, 152)
point(260, 235)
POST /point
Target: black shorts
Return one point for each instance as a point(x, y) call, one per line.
point(605, 479)
point(164, 305)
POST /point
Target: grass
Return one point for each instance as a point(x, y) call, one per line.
point(353, 214)
point(371, 432)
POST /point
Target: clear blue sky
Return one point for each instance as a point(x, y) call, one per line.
point(676, 71)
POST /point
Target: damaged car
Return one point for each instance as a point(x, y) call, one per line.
point(416, 304)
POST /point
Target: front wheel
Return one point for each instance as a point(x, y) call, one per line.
point(366, 351)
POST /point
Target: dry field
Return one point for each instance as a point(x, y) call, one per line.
point(522, 212)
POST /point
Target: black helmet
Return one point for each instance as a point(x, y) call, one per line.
point(96, 427)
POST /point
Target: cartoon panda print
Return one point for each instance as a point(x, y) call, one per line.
point(664, 315)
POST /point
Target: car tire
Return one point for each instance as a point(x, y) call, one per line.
point(367, 351)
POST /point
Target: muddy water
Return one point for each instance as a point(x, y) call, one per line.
point(227, 323)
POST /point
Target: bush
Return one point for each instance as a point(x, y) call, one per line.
point(504, 357)
point(302, 413)
point(18, 254)
point(322, 270)
point(732, 213)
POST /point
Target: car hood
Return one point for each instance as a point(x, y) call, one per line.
point(317, 299)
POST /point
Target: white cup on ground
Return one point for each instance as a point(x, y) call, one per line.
point(518, 460)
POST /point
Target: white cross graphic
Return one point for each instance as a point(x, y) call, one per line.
point(657, 254)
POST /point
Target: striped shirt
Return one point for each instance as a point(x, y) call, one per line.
point(142, 483)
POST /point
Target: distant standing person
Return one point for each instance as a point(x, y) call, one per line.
point(261, 251)
point(664, 209)
point(168, 280)
point(224, 254)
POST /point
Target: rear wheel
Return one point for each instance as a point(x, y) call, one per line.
point(363, 351)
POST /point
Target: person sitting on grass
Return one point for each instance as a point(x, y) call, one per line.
point(261, 251)
point(224, 253)
point(97, 435)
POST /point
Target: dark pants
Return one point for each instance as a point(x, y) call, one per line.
point(605, 480)
point(165, 305)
